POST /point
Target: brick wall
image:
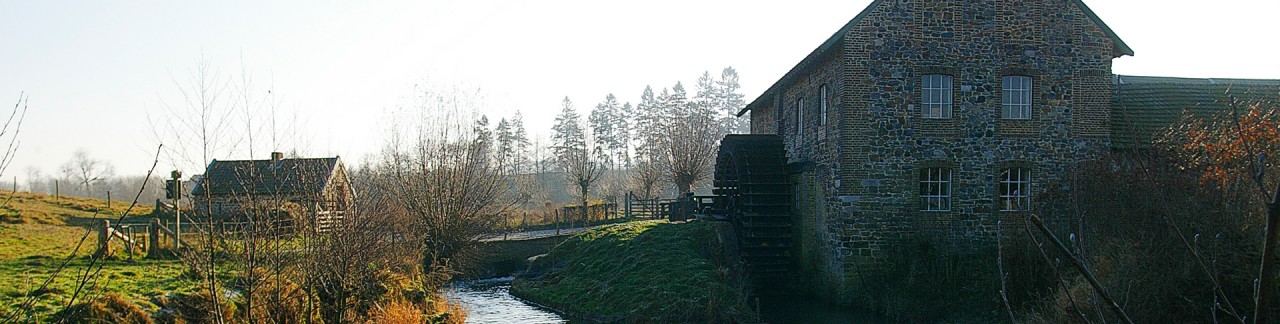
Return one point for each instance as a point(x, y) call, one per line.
point(866, 156)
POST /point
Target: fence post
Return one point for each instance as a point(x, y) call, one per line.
point(130, 242)
point(557, 221)
point(57, 192)
point(626, 208)
point(104, 236)
point(108, 200)
point(153, 239)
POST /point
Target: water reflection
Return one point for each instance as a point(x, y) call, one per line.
point(490, 301)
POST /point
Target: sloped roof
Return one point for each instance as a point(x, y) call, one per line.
point(1144, 106)
point(831, 43)
point(287, 176)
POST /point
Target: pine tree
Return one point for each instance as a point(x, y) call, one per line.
point(506, 147)
point(601, 130)
point(707, 92)
point(568, 137)
point(622, 124)
point(647, 115)
point(731, 101)
point(483, 138)
point(520, 142)
point(609, 125)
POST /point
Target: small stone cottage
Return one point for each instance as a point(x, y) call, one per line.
point(944, 117)
point(320, 185)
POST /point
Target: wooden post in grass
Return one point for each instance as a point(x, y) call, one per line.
point(57, 192)
point(104, 236)
point(177, 209)
point(153, 239)
point(108, 200)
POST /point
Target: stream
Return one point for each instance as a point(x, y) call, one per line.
point(490, 301)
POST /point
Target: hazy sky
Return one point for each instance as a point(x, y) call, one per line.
point(97, 71)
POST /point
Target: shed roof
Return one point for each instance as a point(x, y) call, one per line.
point(1145, 106)
point(286, 176)
point(831, 43)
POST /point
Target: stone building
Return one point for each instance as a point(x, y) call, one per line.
point(318, 185)
point(941, 118)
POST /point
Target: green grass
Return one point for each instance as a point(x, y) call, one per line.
point(650, 271)
point(38, 232)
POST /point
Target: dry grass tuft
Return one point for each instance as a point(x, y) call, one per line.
point(110, 308)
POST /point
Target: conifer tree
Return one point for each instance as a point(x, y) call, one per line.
point(731, 101)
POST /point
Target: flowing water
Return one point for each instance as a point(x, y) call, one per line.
point(490, 301)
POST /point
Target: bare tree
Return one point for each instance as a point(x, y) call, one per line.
point(438, 171)
point(691, 140)
point(646, 176)
point(579, 158)
point(87, 171)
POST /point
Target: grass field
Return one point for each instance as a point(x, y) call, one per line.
point(650, 271)
point(39, 232)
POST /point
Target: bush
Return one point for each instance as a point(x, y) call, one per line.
point(1149, 230)
point(110, 308)
point(396, 311)
point(927, 279)
point(275, 299)
point(195, 307)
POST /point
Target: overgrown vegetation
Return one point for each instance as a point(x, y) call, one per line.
point(641, 271)
point(925, 278)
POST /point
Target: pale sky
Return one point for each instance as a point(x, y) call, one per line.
point(97, 71)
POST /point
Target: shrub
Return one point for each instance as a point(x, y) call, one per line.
point(1150, 228)
point(396, 311)
point(195, 307)
point(110, 308)
point(275, 299)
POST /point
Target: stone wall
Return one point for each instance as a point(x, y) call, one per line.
point(864, 159)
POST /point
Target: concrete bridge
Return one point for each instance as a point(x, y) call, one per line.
point(504, 254)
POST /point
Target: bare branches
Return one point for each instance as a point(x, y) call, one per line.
point(1084, 271)
point(12, 128)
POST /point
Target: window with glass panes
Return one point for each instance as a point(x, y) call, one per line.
point(822, 101)
point(800, 117)
point(935, 189)
point(1015, 189)
point(1016, 102)
point(935, 96)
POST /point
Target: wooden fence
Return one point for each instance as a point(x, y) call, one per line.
point(655, 208)
point(156, 236)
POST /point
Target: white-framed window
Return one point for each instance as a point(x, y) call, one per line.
point(1016, 102)
point(1015, 189)
point(822, 101)
point(935, 189)
point(800, 117)
point(935, 96)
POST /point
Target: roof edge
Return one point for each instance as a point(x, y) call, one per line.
point(806, 63)
point(1121, 48)
point(1119, 79)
